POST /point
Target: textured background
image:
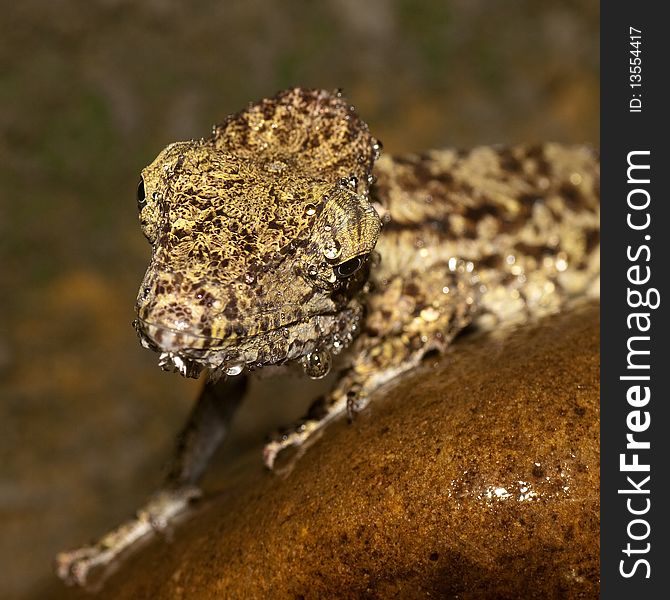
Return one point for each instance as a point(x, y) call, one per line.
point(90, 92)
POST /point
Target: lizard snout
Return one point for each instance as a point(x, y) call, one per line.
point(166, 338)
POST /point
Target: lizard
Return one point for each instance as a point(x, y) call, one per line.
point(286, 238)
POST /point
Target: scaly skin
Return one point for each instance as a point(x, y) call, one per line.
point(279, 239)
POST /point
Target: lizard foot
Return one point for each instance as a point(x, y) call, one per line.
point(301, 440)
point(303, 433)
point(75, 567)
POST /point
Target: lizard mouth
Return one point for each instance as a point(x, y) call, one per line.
point(176, 348)
point(189, 353)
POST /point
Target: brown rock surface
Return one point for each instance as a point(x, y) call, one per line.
point(476, 476)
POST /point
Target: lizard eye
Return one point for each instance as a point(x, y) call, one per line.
point(348, 268)
point(141, 195)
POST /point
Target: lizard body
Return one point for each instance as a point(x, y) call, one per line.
point(284, 238)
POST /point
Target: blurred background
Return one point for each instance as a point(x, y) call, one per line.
point(91, 91)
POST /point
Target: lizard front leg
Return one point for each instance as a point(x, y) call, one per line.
point(205, 429)
point(425, 317)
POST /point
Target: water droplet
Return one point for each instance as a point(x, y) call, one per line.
point(327, 228)
point(332, 250)
point(310, 210)
point(316, 364)
point(377, 148)
point(350, 182)
point(249, 277)
point(561, 262)
point(430, 314)
point(234, 369)
point(312, 270)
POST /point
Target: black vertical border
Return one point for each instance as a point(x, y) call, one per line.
point(623, 131)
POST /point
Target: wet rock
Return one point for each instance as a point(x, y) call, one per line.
point(476, 476)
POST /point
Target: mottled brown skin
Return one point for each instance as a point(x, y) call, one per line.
point(240, 225)
point(279, 240)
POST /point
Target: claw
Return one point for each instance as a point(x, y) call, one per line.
point(270, 451)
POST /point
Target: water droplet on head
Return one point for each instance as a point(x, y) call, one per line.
point(430, 314)
point(332, 249)
point(376, 149)
point(350, 182)
point(561, 262)
point(453, 263)
point(312, 270)
point(310, 210)
point(316, 364)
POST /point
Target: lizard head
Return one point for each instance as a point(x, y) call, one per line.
point(261, 238)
